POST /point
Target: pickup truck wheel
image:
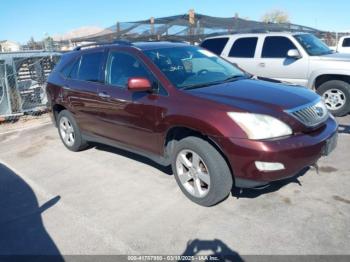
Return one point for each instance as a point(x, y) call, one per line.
point(336, 95)
point(201, 172)
point(69, 132)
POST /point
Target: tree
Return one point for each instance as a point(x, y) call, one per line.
point(48, 43)
point(33, 45)
point(275, 16)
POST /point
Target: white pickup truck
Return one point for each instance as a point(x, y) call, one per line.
point(298, 58)
point(343, 45)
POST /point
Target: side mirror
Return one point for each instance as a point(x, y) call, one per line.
point(293, 53)
point(139, 84)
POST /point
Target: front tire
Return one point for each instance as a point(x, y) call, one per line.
point(336, 95)
point(201, 172)
point(69, 132)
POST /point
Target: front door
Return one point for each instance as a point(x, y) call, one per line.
point(274, 62)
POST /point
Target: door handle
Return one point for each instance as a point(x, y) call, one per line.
point(262, 64)
point(104, 95)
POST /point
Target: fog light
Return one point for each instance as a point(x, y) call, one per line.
point(268, 166)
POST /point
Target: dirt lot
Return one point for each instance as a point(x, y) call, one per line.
point(107, 201)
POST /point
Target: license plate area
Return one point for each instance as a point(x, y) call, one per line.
point(331, 144)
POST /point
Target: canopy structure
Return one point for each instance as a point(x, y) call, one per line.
point(190, 27)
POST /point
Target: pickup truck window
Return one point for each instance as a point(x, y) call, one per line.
point(346, 42)
point(276, 47)
point(244, 47)
point(215, 45)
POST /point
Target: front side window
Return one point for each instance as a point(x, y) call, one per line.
point(190, 66)
point(346, 42)
point(121, 67)
point(276, 47)
point(244, 47)
point(215, 45)
point(90, 66)
point(313, 45)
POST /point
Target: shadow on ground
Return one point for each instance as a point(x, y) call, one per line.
point(165, 169)
point(215, 248)
point(235, 192)
point(22, 232)
point(344, 129)
point(272, 187)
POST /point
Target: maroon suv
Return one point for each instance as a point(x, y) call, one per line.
point(183, 106)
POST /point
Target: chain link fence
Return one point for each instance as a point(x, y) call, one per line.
point(23, 77)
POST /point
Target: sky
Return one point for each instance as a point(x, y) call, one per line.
point(21, 19)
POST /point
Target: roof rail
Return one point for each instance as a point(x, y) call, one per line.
point(117, 42)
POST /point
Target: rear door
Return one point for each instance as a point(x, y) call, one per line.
point(83, 77)
point(273, 61)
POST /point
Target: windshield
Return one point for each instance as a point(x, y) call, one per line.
point(313, 45)
point(193, 67)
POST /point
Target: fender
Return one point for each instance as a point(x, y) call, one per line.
point(319, 72)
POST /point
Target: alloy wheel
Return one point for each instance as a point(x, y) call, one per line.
point(67, 131)
point(334, 99)
point(193, 173)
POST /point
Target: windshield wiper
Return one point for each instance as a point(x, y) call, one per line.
point(229, 79)
point(200, 85)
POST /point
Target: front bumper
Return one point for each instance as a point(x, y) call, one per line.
point(295, 153)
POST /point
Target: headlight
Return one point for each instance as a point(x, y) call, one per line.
point(258, 126)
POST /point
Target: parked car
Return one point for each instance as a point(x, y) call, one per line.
point(298, 58)
point(183, 106)
point(343, 44)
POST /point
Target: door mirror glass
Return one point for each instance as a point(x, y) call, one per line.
point(294, 53)
point(139, 84)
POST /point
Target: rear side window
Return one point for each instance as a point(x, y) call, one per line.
point(276, 47)
point(346, 42)
point(90, 65)
point(215, 45)
point(244, 47)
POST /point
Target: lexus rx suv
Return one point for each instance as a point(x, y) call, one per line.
point(184, 106)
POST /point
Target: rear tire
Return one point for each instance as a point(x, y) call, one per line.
point(200, 171)
point(336, 94)
point(69, 132)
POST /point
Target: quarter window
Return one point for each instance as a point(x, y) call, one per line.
point(244, 47)
point(276, 47)
point(66, 71)
point(215, 45)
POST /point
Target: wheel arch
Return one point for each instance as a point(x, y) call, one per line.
point(319, 78)
point(178, 132)
point(327, 77)
point(56, 109)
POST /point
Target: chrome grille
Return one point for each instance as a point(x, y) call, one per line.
point(311, 114)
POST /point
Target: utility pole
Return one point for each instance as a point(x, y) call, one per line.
point(152, 26)
point(191, 21)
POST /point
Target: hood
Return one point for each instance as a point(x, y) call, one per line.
point(257, 96)
point(334, 57)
